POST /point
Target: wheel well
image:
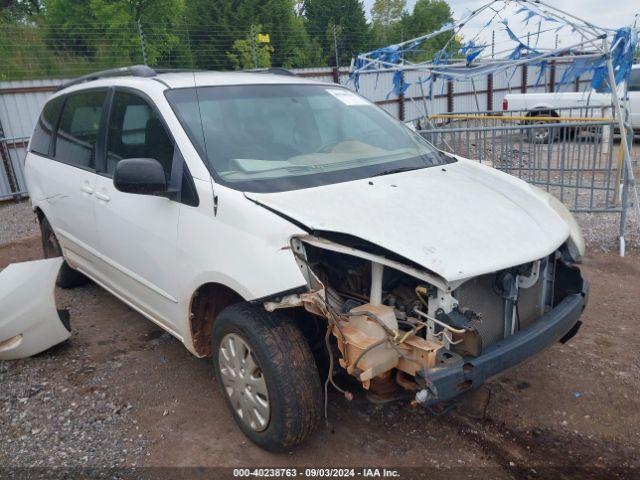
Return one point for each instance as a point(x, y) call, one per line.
point(39, 213)
point(207, 302)
point(537, 112)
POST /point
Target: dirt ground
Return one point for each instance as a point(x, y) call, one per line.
point(571, 412)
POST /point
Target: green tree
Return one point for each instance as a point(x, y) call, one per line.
point(19, 11)
point(24, 51)
point(386, 23)
point(215, 26)
point(248, 53)
point(212, 32)
point(105, 33)
point(387, 12)
point(428, 16)
point(344, 17)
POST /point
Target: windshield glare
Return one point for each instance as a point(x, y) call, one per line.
point(268, 138)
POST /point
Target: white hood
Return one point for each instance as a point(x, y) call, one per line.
point(458, 220)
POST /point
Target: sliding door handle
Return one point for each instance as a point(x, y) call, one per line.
point(102, 197)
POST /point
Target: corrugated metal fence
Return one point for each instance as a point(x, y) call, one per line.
point(20, 105)
point(21, 102)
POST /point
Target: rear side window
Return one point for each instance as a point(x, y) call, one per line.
point(43, 133)
point(79, 127)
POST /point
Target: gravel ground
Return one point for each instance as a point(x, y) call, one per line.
point(59, 412)
point(63, 409)
point(16, 221)
point(116, 394)
point(601, 231)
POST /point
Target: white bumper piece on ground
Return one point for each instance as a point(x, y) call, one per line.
point(29, 320)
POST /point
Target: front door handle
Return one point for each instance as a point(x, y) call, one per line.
point(102, 196)
point(87, 189)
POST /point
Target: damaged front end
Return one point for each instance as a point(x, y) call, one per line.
point(400, 327)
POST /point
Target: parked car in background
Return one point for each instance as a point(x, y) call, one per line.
point(561, 104)
point(268, 220)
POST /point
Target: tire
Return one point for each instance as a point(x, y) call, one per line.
point(67, 277)
point(540, 135)
point(280, 358)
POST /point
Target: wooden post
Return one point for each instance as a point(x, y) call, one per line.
point(401, 112)
point(449, 96)
point(524, 79)
point(552, 76)
point(336, 74)
point(490, 92)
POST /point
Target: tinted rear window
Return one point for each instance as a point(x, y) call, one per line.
point(41, 138)
point(79, 126)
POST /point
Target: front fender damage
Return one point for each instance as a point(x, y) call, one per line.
point(29, 320)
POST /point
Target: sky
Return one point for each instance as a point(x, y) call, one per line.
point(599, 12)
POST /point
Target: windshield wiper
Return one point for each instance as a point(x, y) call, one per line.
point(391, 171)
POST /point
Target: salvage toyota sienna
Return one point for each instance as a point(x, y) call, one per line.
point(266, 220)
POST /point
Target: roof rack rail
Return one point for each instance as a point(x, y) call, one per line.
point(273, 70)
point(178, 70)
point(134, 71)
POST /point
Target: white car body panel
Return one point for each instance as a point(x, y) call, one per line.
point(556, 100)
point(242, 245)
point(137, 242)
point(458, 221)
point(29, 322)
point(65, 197)
point(551, 101)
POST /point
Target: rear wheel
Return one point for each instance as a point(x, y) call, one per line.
point(67, 277)
point(541, 131)
point(267, 375)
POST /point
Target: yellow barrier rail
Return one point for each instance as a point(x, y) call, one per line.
point(504, 118)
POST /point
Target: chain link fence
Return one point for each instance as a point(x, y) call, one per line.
point(579, 162)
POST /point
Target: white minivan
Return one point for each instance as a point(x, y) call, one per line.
point(289, 228)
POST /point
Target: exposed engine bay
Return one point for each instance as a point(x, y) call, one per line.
point(395, 324)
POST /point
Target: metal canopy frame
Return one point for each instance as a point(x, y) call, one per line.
point(596, 38)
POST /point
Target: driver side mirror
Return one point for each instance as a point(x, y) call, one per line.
point(143, 176)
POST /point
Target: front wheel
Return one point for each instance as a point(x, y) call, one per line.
point(267, 375)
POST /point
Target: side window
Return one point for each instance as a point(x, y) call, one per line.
point(135, 131)
point(634, 84)
point(43, 133)
point(79, 127)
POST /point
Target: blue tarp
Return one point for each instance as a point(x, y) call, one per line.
point(622, 48)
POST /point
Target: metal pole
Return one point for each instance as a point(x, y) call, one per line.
point(475, 94)
point(335, 45)
point(630, 178)
point(493, 43)
point(624, 204)
point(142, 43)
point(254, 48)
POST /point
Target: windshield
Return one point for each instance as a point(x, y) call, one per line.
point(268, 138)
